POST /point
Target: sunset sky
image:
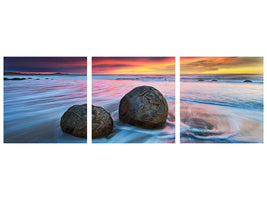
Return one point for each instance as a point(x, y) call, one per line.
point(73, 65)
point(221, 65)
point(133, 65)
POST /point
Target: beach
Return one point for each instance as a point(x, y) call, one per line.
point(107, 91)
point(33, 107)
point(221, 108)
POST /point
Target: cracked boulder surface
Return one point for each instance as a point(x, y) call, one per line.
point(74, 121)
point(102, 123)
point(145, 107)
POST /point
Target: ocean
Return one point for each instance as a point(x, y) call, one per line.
point(107, 91)
point(33, 108)
point(221, 109)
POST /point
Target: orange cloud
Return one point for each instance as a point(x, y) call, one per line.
point(221, 65)
point(133, 65)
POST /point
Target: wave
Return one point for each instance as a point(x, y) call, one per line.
point(206, 134)
point(227, 78)
point(32, 109)
point(125, 133)
point(213, 123)
point(240, 95)
point(235, 103)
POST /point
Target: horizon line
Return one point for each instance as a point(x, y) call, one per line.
point(132, 74)
point(227, 74)
point(25, 73)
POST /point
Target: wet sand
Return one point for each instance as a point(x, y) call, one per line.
point(231, 125)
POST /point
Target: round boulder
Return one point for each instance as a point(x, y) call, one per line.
point(74, 121)
point(102, 123)
point(145, 107)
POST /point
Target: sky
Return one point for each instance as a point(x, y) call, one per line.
point(72, 65)
point(221, 65)
point(133, 65)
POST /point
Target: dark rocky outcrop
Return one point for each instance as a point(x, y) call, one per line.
point(14, 79)
point(74, 121)
point(145, 107)
point(198, 123)
point(102, 123)
point(247, 81)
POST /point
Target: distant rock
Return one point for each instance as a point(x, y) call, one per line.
point(127, 78)
point(29, 78)
point(145, 107)
point(247, 81)
point(102, 123)
point(198, 123)
point(214, 80)
point(37, 79)
point(14, 79)
point(200, 80)
point(74, 121)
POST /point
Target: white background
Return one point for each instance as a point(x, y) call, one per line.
point(132, 171)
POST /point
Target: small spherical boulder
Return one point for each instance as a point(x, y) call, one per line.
point(74, 121)
point(102, 123)
point(145, 107)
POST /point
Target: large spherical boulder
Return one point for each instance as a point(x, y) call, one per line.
point(102, 123)
point(145, 107)
point(74, 121)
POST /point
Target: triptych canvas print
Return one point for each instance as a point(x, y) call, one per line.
point(134, 100)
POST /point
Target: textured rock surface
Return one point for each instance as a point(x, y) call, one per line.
point(102, 123)
point(74, 121)
point(145, 107)
point(198, 123)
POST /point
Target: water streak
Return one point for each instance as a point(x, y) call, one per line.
point(234, 108)
point(108, 91)
point(33, 108)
